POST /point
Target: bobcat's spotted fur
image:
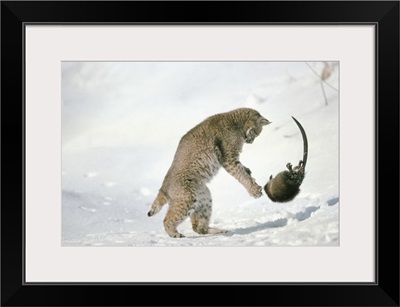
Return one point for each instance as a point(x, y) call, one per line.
point(215, 142)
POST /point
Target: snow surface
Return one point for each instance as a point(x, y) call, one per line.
point(121, 124)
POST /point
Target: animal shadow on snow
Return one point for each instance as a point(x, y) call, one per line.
point(282, 222)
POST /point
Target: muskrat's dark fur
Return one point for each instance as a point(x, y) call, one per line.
point(286, 185)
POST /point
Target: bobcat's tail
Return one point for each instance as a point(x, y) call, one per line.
point(160, 201)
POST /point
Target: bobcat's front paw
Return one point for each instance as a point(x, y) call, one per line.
point(256, 190)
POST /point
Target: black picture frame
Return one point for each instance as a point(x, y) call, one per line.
point(383, 14)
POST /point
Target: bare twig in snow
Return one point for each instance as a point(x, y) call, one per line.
point(323, 91)
point(321, 78)
point(326, 72)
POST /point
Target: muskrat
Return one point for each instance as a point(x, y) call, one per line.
point(286, 185)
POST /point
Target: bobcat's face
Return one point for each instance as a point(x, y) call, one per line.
point(254, 127)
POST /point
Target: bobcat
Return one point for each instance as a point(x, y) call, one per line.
point(215, 142)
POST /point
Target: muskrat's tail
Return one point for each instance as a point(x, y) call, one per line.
point(305, 142)
point(158, 203)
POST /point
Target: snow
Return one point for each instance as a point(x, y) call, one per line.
point(122, 121)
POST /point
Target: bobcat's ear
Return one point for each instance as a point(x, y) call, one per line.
point(263, 121)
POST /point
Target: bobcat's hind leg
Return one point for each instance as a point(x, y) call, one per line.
point(178, 211)
point(200, 224)
point(201, 216)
